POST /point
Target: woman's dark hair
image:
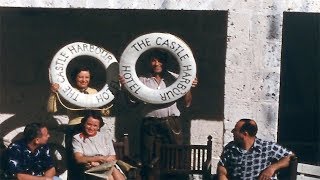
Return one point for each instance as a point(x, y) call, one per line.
point(77, 70)
point(249, 126)
point(93, 114)
point(32, 131)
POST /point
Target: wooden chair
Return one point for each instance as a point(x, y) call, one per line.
point(123, 153)
point(122, 147)
point(183, 160)
point(290, 172)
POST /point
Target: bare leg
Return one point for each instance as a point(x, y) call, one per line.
point(117, 175)
point(110, 177)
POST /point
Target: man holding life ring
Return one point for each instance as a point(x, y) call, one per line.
point(160, 121)
point(82, 77)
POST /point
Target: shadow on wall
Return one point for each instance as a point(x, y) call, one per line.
point(24, 67)
point(11, 129)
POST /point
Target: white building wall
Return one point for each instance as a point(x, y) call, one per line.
point(252, 61)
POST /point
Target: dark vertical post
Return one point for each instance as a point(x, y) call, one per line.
point(126, 145)
point(209, 153)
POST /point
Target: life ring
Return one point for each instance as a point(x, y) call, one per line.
point(57, 74)
point(178, 48)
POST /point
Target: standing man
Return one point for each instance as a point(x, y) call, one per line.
point(160, 121)
point(29, 157)
point(248, 157)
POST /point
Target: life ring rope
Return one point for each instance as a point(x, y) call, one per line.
point(58, 74)
point(80, 109)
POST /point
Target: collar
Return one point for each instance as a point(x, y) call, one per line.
point(257, 146)
point(83, 90)
point(23, 143)
point(85, 136)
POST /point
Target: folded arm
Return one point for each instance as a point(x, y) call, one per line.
point(93, 160)
point(48, 175)
point(270, 170)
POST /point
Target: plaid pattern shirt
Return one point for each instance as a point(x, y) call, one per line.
point(242, 164)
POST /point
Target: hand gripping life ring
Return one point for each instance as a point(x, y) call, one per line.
point(57, 74)
point(178, 48)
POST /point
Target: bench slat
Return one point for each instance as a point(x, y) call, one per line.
point(302, 177)
point(308, 169)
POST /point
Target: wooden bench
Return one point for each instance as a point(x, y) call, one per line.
point(300, 171)
point(307, 172)
point(183, 160)
point(123, 153)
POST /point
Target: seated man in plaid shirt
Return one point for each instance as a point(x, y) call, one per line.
point(248, 157)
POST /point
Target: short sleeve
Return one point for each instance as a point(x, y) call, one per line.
point(76, 146)
point(14, 160)
point(280, 152)
point(47, 159)
point(223, 158)
point(52, 103)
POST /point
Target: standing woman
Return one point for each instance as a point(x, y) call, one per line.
point(92, 148)
point(81, 77)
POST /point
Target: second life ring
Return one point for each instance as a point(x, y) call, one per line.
point(178, 48)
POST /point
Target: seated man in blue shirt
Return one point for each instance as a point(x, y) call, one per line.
point(248, 157)
point(29, 157)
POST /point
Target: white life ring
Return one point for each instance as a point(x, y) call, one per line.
point(179, 49)
point(57, 74)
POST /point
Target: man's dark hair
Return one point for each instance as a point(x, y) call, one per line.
point(77, 70)
point(249, 126)
point(160, 54)
point(93, 114)
point(163, 56)
point(32, 131)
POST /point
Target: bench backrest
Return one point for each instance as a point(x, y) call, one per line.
point(122, 147)
point(186, 159)
point(308, 172)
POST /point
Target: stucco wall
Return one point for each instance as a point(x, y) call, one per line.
point(252, 62)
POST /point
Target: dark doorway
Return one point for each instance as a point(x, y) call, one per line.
point(299, 123)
